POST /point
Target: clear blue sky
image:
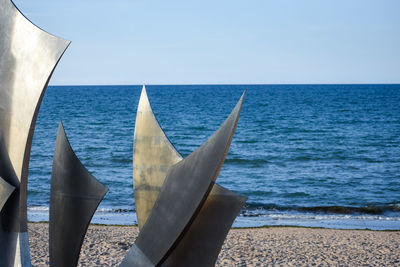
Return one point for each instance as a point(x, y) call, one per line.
point(214, 42)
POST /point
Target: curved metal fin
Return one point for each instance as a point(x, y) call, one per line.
point(153, 154)
point(74, 197)
point(183, 193)
point(203, 241)
point(28, 56)
point(5, 192)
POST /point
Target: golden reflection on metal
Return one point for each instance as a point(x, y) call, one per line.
point(153, 154)
point(28, 56)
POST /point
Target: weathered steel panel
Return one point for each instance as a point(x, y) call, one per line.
point(28, 56)
point(153, 154)
point(203, 240)
point(74, 197)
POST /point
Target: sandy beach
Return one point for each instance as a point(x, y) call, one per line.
point(274, 246)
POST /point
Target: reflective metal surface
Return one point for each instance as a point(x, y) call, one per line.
point(5, 192)
point(153, 154)
point(203, 241)
point(28, 56)
point(74, 197)
point(136, 258)
point(182, 195)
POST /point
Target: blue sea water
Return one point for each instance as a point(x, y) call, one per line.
point(308, 155)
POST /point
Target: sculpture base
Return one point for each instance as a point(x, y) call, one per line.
point(136, 257)
point(14, 249)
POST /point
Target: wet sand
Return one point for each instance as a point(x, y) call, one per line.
point(275, 246)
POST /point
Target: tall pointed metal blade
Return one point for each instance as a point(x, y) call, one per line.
point(28, 56)
point(153, 154)
point(74, 197)
point(183, 193)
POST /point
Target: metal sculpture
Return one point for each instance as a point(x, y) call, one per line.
point(182, 223)
point(183, 215)
point(28, 56)
point(201, 244)
point(5, 192)
point(74, 197)
point(153, 155)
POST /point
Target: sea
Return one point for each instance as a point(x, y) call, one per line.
point(305, 155)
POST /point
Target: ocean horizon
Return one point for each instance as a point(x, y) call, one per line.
point(318, 155)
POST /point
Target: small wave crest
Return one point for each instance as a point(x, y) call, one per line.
point(118, 210)
point(38, 208)
point(244, 161)
point(101, 209)
point(256, 209)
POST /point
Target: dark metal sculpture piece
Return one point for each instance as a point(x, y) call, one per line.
point(184, 191)
point(74, 197)
point(201, 244)
point(28, 56)
point(5, 192)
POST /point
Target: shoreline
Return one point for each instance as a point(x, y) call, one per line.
point(390, 221)
point(250, 227)
point(289, 246)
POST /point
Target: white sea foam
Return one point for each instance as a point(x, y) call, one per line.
point(122, 216)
